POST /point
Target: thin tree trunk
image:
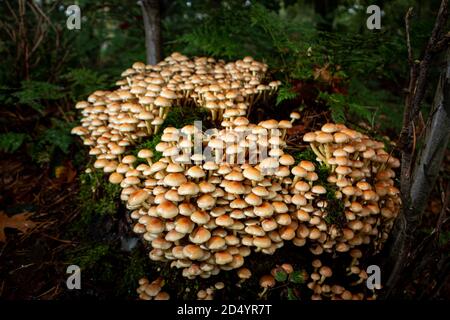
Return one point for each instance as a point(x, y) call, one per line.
point(152, 26)
point(424, 175)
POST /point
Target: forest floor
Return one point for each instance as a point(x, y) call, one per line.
point(58, 232)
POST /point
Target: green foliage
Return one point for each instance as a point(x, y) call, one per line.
point(177, 117)
point(296, 277)
point(306, 154)
point(290, 282)
point(340, 105)
point(151, 145)
point(49, 141)
point(134, 270)
point(291, 295)
point(335, 206)
point(285, 93)
point(444, 238)
point(97, 196)
point(37, 93)
point(10, 142)
point(88, 257)
point(85, 81)
point(281, 276)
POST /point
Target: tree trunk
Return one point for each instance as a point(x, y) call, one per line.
point(424, 175)
point(152, 26)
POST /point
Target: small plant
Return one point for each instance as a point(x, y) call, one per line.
point(37, 94)
point(10, 142)
point(289, 280)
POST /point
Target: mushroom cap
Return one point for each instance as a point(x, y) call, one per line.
point(244, 273)
point(307, 165)
point(252, 173)
point(235, 187)
point(264, 210)
point(260, 191)
point(340, 137)
point(216, 243)
point(302, 186)
point(323, 137)
point(295, 115)
point(162, 296)
point(200, 235)
point(329, 128)
point(138, 197)
point(267, 281)
point(196, 172)
point(309, 137)
point(269, 163)
point(206, 201)
point(174, 179)
point(326, 271)
point(318, 189)
point(167, 210)
point(262, 242)
point(188, 189)
point(162, 102)
point(234, 176)
point(206, 187)
point(115, 178)
point(200, 217)
point(223, 257)
point(286, 159)
point(152, 289)
point(184, 225)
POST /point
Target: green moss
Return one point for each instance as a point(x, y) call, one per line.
point(307, 154)
point(136, 267)
point(151, 145)
point(177, 117)
point(97, 195)
point(335, 206)
point(88, 257)
point(97, 198)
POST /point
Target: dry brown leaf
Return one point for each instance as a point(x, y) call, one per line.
point(19, 221)
point(65, 173)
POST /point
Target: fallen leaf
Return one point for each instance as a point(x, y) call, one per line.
point(65, 173)
point(19, 221)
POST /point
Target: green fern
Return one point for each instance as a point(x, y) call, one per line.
point(84, 82)
point(34, 93)
point(10, 142)
point(285, 93)
point(51, 140)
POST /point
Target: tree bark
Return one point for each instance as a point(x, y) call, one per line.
point(424, 175)
point(151, 12)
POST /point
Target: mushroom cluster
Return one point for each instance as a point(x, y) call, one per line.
point(362, 172)
point(152, 290)
point(207, 211)
point(114, 120)
point(216, 196)
point(323, 287)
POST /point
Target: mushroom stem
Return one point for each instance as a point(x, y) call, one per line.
point(317, 152)
point(263, 293)
point(130, 138)
point(149, 127)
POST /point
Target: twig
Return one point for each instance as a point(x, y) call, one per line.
point(408, 38)
point(442, 214)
